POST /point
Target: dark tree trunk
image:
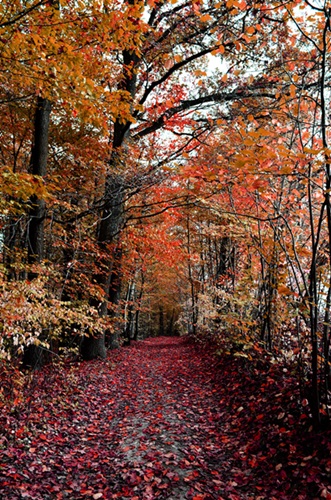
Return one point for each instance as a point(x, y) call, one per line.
point(35, 356)
point(129, 315)
point(112, 216)
point(93, 347)
point(114, 298)
point(170, 327)
point(38, 167)
point(109, 276)
point(139, 301)
point(161, 321)
point(192, 326)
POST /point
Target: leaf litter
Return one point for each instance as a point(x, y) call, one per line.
point(162, 419)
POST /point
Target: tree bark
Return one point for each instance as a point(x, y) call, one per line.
point(35, 356)
point(95, 347)
point(38, 167)
point(112, 216)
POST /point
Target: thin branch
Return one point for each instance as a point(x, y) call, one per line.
point(23, 13)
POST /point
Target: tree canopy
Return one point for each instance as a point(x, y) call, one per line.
point(165, 169)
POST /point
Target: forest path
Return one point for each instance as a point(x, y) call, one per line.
point(156, 420)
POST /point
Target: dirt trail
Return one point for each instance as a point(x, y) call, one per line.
point(157, 420)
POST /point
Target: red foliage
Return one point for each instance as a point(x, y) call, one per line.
point(160, 419)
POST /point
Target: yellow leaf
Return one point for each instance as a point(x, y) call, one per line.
point(199, 72)
point(205, 18)
point(284, 290)
point(219, 50)
point(264, 132)
point(312, 151)
point(286, 170)
point(293, 90)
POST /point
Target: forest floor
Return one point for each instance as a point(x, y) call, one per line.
point(161, 419)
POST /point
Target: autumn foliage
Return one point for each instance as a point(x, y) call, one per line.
point(165, 169)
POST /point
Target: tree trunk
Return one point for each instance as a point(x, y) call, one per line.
point(161, 321)
point(38, 167)
point(192, 327)
point(114, 298)
point(170, 327)
point(35, 356)
point(93, 348)
point(139, 301)
point(112, 216)
point(108, 277)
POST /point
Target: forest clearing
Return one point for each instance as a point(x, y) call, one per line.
point(162, 419)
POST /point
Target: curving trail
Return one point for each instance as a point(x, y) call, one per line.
point(156, 420)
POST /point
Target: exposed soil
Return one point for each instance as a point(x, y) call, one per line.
point(162, 419)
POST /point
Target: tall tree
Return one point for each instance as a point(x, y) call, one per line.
point(172, 45)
